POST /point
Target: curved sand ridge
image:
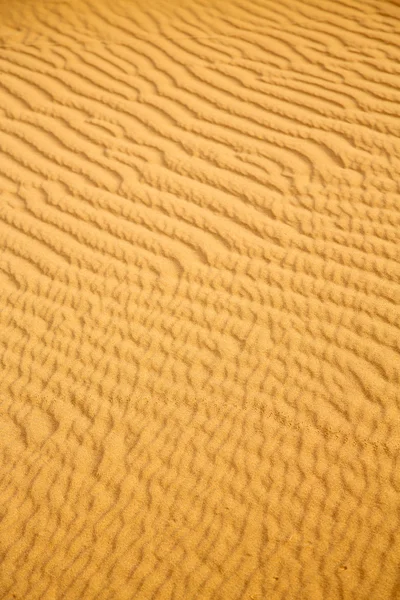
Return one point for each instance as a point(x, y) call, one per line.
point(199, 300)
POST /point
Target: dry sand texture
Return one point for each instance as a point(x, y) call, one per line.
point(199, 288)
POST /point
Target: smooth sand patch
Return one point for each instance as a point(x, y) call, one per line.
point(199, 300)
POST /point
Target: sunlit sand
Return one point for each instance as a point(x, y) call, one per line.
point(199, 300)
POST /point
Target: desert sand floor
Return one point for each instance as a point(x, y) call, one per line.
point(199, 299)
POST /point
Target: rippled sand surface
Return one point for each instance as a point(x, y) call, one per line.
point(199, 300)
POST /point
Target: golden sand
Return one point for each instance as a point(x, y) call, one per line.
point(199, 299)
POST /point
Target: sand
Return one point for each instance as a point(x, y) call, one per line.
point(199, 300)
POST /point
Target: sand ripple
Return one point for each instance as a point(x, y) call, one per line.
point(199, 300)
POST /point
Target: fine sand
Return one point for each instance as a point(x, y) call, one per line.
point(199, 299)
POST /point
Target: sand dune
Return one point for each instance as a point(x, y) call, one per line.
point(199, 300)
